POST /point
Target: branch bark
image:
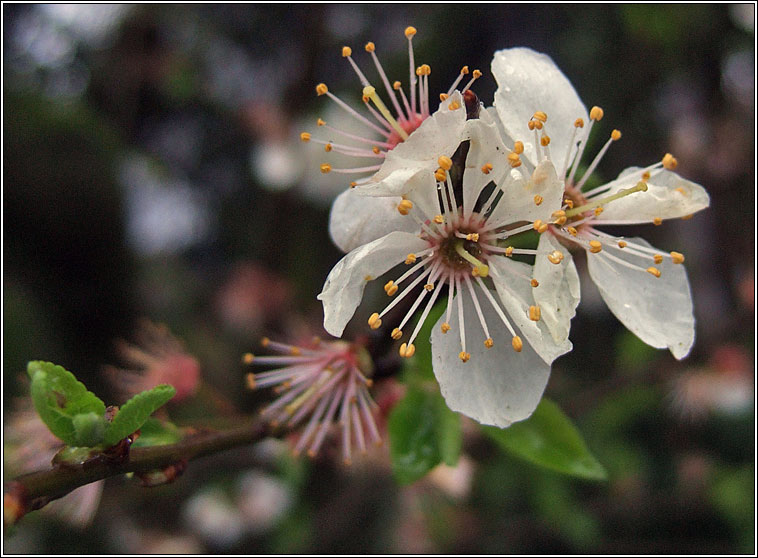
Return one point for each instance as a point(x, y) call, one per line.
point(34, 490)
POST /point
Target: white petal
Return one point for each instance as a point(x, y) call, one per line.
point(518, 203)
point(668, 196)
point(511, 280)
point(485, 147)
point(658, 310)
point(440, 134)
point(558, 291)
point(356, 220)
point(343, 288)
point(497, 386)
point(527, 82)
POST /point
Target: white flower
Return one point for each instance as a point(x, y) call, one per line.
point(646, 288)
point(327, 383)
point(460, 229)
point(399, 147)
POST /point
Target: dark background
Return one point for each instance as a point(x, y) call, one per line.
point(152, 168)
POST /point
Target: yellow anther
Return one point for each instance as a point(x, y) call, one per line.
point(397, 85)
point(598, 210)
point(454, 105)
point(370, 47)
point(346, 51)
point(295, 351)
point(404, 207)
point(321, 89)
point(320, 122)
point(429, 287)
point(531, 125)
point(326, 167)
point(489, 342)
point(445, 162)
point(539, 226)
point(518, 147)
point(517, 344)
point(658, 259)
point(374, 321)
point(538, 124)
point(622, 243)
point(353, 184)
point(477, 74)
point(513, 157)
point(248, 358)
point(654, 271)
point(516, 164)
point(443, 97)
point(558, 214)
point(560, 221)
point(538, 199)
point(390, 288)
point(265, 341)
point(509, 251)
point(572, 231)
point(615, 135)
point(407, 351)
point(487, 168)
point(410, 259)
point(250, 381)
point(464, 356)
point(669, 161)
point(419, 71)
point(535, 283)
point(657, 221)
point(440, 175)
point(596, 113)
point(376, 149)
point(555, 257)
point(327, 147)
point(305, 136)
point(410, 31)
point(541, 116)
point(396, 334)
point(595, 246)
point(545, 141)
point(569, 203)
point(646, 175)
point(474, 237)
point(365, 99)
point(579, 123)
point(677, 258)
point(534, 313)
point(464, 70)
point(427, 69)
point(445, 327)
point(439, 219)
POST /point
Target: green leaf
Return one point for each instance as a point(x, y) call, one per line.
point(549, 439)
point(89, 429)
point(59, 397)
point(136, 411)
point(423, 432)
point(157, 433)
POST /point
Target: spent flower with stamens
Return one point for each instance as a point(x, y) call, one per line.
point(486, 369)
point(646, 288)
point(405, 135)
point(321, 385)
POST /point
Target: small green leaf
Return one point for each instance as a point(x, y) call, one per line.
point(423, 432)
point(59, 397)
point(549, 439)
point(157, 433)
point(89, 429)
point(136, 411)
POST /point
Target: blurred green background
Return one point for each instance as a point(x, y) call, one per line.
point(153, 168)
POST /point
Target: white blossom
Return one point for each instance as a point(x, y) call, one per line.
point(646, 288)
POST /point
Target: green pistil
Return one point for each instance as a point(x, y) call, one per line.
point(482, 269)
point(640, 187)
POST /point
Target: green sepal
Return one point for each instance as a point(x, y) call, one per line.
point(59, 397)
point(157, 433)
point(549, 439)
point(136, 411)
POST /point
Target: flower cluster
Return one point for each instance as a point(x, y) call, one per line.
point(447, 201)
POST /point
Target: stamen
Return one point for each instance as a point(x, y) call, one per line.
point(538, 199)
point(463, 72)
point(615, 135)
point(517, 344)
point(322, 89)
point(640, 187)
point(462, 329)
point(535, 283)
point(654, 271)
point(396, 334)
point(534, 313)
point(595, 246)
point(555, 257)
point(370, 47)
point(657, 221)
point(404, 207)
point(669, 161)
point(374, 321)
point(677, 258)
point(370, 92)
point(475, 75)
